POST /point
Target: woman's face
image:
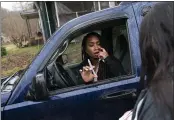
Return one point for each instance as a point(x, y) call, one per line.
point(93, 46)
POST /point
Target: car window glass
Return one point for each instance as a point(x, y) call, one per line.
point(73, 51)
point(118, 46)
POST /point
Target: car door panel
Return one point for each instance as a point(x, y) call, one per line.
point(115, 106)
point(79, 104)
point(138, 7)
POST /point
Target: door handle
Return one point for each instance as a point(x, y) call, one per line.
point(123, 94)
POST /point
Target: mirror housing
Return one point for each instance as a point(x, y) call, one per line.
point(38, 90)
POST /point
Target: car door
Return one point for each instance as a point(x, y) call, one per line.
point(106, 100)
point(141, 9)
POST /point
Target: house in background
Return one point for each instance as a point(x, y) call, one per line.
point(27, 16)
point(53, 15)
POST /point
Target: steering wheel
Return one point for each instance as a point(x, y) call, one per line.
point(58, 77)
point(64, 75)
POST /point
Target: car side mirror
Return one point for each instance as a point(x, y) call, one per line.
point(65, 58)
point(38, 90)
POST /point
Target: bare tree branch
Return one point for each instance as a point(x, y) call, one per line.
point(14, 26)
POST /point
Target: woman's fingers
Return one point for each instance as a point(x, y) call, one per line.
point(80, 70)
point(102, 49)
point(87, 68)
point(86, 73)
point(102, 54)
point(95, 76)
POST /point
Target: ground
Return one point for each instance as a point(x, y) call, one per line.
point(17, 59)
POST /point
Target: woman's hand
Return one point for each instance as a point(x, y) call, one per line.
point(87, 74)
point(102, 54)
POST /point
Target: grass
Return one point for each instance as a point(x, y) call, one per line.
point(11, 49)
point(17, 58)
point(10, 72)
point(3, 60)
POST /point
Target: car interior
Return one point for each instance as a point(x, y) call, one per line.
point(62, 70)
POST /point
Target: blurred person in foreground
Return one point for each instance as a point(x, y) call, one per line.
point(155, 101)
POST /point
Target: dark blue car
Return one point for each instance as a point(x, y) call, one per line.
point(48, 90)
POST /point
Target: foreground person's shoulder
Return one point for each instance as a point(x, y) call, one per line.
point(148, 109)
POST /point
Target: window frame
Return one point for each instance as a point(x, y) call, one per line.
point(106, 81)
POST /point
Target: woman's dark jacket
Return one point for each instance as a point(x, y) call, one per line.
point(111, 67)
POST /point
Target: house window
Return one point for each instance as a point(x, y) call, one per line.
point(104, 5)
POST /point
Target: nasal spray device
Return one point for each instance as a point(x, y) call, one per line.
point(91, 68)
